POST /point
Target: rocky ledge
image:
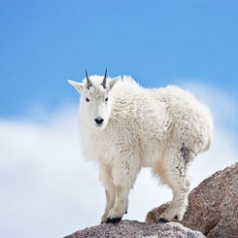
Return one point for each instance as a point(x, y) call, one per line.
point(135, 229)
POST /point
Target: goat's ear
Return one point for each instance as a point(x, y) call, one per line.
point(113, 81)
point(76, 85)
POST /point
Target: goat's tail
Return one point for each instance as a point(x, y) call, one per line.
point(210, 127)
point(208, 145)
point(209, 141)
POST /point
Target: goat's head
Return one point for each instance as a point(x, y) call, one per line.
point(95, 98)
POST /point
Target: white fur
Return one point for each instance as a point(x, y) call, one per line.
point(161, 128)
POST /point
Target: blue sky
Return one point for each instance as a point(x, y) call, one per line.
point(47, 189)
point(43, 43)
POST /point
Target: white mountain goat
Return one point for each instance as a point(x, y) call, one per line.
point(125, 127)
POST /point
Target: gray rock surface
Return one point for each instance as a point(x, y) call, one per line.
point(213, 206)
point(135, 229)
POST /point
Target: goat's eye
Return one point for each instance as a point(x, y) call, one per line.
point(106, 99)
point(87, 99)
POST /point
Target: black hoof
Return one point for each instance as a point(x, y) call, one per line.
point(113, 220)
point(162, 220)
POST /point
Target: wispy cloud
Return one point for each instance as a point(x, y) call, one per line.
point(222, 104)
point(48, 189)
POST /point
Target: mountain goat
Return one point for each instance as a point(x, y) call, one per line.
point(125, 127)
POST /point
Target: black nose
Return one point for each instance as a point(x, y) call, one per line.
point(99, 120)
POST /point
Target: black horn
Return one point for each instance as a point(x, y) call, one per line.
point(89, 84)
point(105, 79)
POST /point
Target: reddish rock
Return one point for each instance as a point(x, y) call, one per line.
point(213, 205)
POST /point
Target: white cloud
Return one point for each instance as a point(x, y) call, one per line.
point(49, 190)
point(221, 103)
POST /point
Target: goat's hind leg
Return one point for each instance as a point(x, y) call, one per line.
point(175, 175)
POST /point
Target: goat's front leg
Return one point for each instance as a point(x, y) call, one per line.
point(110, 199)
point(120, 206)
point(105, 176)
point(124, 174)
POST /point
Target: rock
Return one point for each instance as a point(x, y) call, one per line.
point(136, 229)
point(213, 205)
